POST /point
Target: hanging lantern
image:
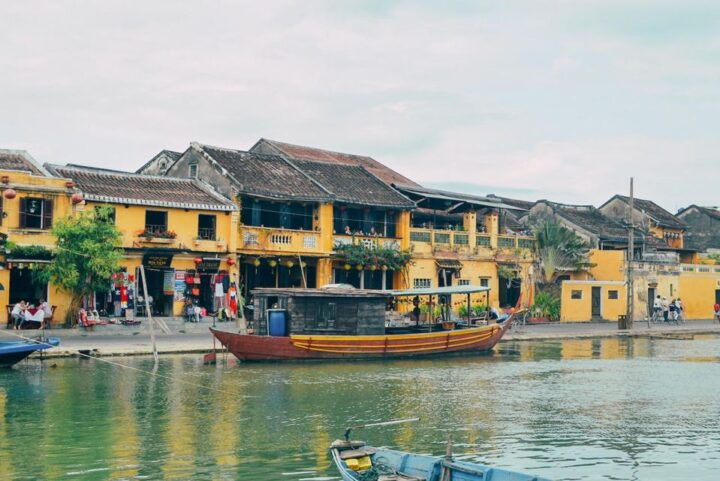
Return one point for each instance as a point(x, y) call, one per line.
point(197, 260)
point(347, 267)
point(373, 267)
point(21, 265)
point(289, 264)
point(384, 267)
point(77, 197)
point(272, 262)
point(256, 262)
point(303, 264)
point(231, 261)
point(9, 194)
point(359, 267)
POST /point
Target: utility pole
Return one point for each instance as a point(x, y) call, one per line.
point(630, 314)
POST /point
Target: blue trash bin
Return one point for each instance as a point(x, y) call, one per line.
point(277, 322)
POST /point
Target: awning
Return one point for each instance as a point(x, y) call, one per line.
point(449, 264)
point(431, 291)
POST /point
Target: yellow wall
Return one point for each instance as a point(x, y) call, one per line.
point(697, 291)
point(609, 265)
point(580, 310)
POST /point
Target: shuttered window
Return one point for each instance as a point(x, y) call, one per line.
point(36, 213)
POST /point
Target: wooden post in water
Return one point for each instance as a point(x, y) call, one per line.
point(630, 311)
point(149, 314)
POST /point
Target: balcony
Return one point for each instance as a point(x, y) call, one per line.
point(367, 241)
point(431, 240)
point(268, 239)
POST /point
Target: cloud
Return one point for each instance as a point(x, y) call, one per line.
point(561, 98)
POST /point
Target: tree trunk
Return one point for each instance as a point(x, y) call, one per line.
point(72, 314)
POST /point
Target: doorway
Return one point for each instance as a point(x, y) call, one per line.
point(509, 291)
point(650, 301)
point(717, 296)
point(24, 286)
point(161, 303)
point(596, 302)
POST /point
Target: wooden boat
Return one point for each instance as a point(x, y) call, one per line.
point(318, 329)
point(12, 352)
point(358, 462)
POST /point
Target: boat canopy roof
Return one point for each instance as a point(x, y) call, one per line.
point(431, 291)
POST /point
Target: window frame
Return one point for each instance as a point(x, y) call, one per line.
point(45, 216)
point(613, 294)
point(165, 226)
point(425, 282)
point(576, 294)
point(214, 227)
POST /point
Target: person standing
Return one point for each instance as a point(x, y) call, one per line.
point(18, 314)
point(680, 311)
point(665, 309)
point(657, 308)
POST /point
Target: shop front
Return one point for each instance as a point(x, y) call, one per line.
point(160, 281)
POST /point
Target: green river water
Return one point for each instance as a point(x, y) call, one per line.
point(596, 409)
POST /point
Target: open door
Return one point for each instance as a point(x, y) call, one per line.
point(596, 301)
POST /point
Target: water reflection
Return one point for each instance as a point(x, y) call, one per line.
point(578, 409)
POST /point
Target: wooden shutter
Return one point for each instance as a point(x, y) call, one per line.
point(1, 209)
point(23, 212)
point(47, 214)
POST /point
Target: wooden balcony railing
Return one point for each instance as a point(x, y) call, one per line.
point(284, 240)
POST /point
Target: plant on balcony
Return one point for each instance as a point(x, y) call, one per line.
point(155, 234)
point(358, 254)
point(32, 252)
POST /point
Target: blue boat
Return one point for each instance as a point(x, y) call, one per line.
point(358, 462)
point(12, 352)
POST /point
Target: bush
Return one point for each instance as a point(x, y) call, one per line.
point(547, 305)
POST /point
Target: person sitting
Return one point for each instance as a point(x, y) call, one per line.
point(347, 230)
point(46, 309)
point(18, 314)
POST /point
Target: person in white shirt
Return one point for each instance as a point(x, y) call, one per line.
point(665, 308)
point(680, 310)
point(657, 307)
point(18, 314)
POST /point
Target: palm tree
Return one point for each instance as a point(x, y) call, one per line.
point(559, 249)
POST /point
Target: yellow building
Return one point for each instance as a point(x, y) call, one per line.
point(182, 232)
point(31, 200)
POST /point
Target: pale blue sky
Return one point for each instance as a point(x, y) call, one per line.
point(538, 99)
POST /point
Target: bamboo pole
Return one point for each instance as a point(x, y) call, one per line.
point(149, 314)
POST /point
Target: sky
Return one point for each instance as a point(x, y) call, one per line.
point(561, 100)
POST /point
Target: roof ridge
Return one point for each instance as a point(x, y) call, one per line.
point(116, 173)
point(315, 148)
point(29, 158)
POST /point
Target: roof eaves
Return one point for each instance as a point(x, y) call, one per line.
point(157, 203)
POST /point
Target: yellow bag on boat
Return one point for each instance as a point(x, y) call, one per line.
point(359, 464)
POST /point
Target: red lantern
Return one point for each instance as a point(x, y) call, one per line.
point(231, 261)
point(198, 260)
point(69, 184)
point(77, 197)
point(9, 193)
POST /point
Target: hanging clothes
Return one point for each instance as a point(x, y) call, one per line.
point(232, 300)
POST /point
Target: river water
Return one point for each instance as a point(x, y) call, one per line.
point(596, 409)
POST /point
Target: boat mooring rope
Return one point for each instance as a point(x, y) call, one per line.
point(125, 366)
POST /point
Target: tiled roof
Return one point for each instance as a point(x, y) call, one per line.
point(264, 175)
point(708, 211)
point(353, 184)
point(516, 203)
point(428, 193)
point(590, 219)
point(116, 187)
point(655, 212)
point(301, 152)
point(20, 160)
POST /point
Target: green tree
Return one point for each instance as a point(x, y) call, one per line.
point(87, 254)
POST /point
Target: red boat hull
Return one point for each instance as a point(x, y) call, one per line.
point(305, 347)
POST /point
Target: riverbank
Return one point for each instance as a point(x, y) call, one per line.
point(195, 338)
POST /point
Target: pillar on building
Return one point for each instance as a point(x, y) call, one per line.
point(470, 226)
point(323, 223)
point(492, 227)
point(402, 228)
point(324, 273)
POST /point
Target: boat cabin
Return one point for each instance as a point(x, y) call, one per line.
point(322, 311)
point(349, 311)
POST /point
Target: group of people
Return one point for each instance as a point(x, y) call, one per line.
point(25, 315)
point(371, 233)
point(668, 310)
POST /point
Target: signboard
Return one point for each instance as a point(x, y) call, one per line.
point(169, 283)
point(158, 260)
point(210, 264)
point(180, 286)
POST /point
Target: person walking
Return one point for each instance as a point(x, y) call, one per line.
point(665, 309)
point(680, 311)
point(717, 312)
point(657, 308)
point(673, 312)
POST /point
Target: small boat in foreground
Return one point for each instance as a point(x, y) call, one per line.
point(351, 324)
point(358, 462)
point(12, 352)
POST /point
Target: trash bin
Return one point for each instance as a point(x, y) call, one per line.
point(277, 322)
